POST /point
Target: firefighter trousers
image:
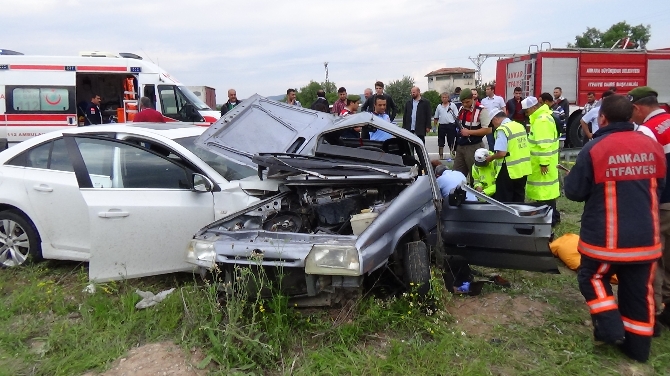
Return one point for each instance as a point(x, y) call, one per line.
point(633, 317)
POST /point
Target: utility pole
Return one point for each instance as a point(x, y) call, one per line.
point(479, 61)
point(325, 65)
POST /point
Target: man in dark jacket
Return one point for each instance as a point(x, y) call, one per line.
point(232, 102)
point(514, 110)
point(416, 117)
point(560, 107)
point(369, 105)
point(92, 113)
point(619, 176)
point(321, 103)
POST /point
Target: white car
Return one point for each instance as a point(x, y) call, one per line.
point(126, 198)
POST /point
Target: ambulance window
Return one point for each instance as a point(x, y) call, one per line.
point(40, 99)
point(172, 101)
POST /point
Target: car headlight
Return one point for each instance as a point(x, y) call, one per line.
point(201, 252)
point(333, 260)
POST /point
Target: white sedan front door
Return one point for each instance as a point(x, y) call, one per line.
point(142, 209)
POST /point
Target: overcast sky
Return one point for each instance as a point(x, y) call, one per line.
point(265, 47)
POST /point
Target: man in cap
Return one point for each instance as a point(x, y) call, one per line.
point(619, 176)
point(542, 185)
point(474, 122)
point(484, 173)
point(513, 153)
point(353, 102)
point(648, 113)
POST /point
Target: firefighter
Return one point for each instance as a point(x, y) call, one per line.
point(542, 185)
point(484, 173)
point(513, 154)
point(619, 176)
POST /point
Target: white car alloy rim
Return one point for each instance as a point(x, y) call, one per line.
point(14, 243)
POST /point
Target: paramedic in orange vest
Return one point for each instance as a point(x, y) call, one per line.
point(649, 114)
point(619, 175)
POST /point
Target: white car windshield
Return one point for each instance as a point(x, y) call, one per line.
point(225, 167)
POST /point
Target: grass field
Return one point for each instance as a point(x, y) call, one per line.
point(49, 326)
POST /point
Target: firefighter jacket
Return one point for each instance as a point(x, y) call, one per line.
point(518, 158)
point(619, 175)
point(485, 177)
point(543, 141)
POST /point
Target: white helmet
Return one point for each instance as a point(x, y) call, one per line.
point(480, 157)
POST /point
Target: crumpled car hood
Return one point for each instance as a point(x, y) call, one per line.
point(260, 125)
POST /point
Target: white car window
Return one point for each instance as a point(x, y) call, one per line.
point(112, 164)
point(51, 155)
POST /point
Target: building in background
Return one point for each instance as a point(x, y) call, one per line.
point(206, 94)
point(447, 79)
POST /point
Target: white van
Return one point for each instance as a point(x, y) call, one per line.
point(39, 94)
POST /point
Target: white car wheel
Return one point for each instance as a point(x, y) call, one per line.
point(19, 241)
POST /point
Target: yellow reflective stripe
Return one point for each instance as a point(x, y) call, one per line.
point(545, 141)
point(517, 161)
point(542, 183)
point(543, 153)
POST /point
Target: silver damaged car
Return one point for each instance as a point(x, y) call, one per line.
point(348, 206)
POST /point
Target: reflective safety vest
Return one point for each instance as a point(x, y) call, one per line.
point(518, 160)
point(543, 141)
point(485, 177)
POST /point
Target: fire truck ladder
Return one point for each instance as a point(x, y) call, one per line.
point(528, 84)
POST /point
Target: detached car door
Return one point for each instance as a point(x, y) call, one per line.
point(142, 209)
point(491, 234)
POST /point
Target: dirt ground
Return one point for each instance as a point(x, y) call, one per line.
point(163, 358)
point(478, 315)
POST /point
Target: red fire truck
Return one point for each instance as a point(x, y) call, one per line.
point(580, 71)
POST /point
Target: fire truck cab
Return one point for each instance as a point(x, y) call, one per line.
point(579, 71)
point(39, 94)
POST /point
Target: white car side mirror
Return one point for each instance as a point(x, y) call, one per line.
point(202, 183)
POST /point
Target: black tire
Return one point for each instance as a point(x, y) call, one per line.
point(416, 261)
point(576, 136)
point(20, 226)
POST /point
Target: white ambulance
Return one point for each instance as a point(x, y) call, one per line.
point(39, 94)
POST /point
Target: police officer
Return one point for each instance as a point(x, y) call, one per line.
point(542, 185)
point(511, 147)
point(93, 115)
point(619, 176)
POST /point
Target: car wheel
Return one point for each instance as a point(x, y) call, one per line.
point(19, 241)
point(417, 268)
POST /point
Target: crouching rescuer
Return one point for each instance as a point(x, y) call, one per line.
point(484, 173)
point(619, 176)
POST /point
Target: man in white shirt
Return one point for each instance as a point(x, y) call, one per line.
point(449, 180)
point(445, 118)
point(493, 103)
point(591, 118)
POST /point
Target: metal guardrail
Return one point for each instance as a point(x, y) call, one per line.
point(569, 154)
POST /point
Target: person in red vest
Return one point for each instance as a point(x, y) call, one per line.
point(147, 114)
point(649, 114)
point(619, 175)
